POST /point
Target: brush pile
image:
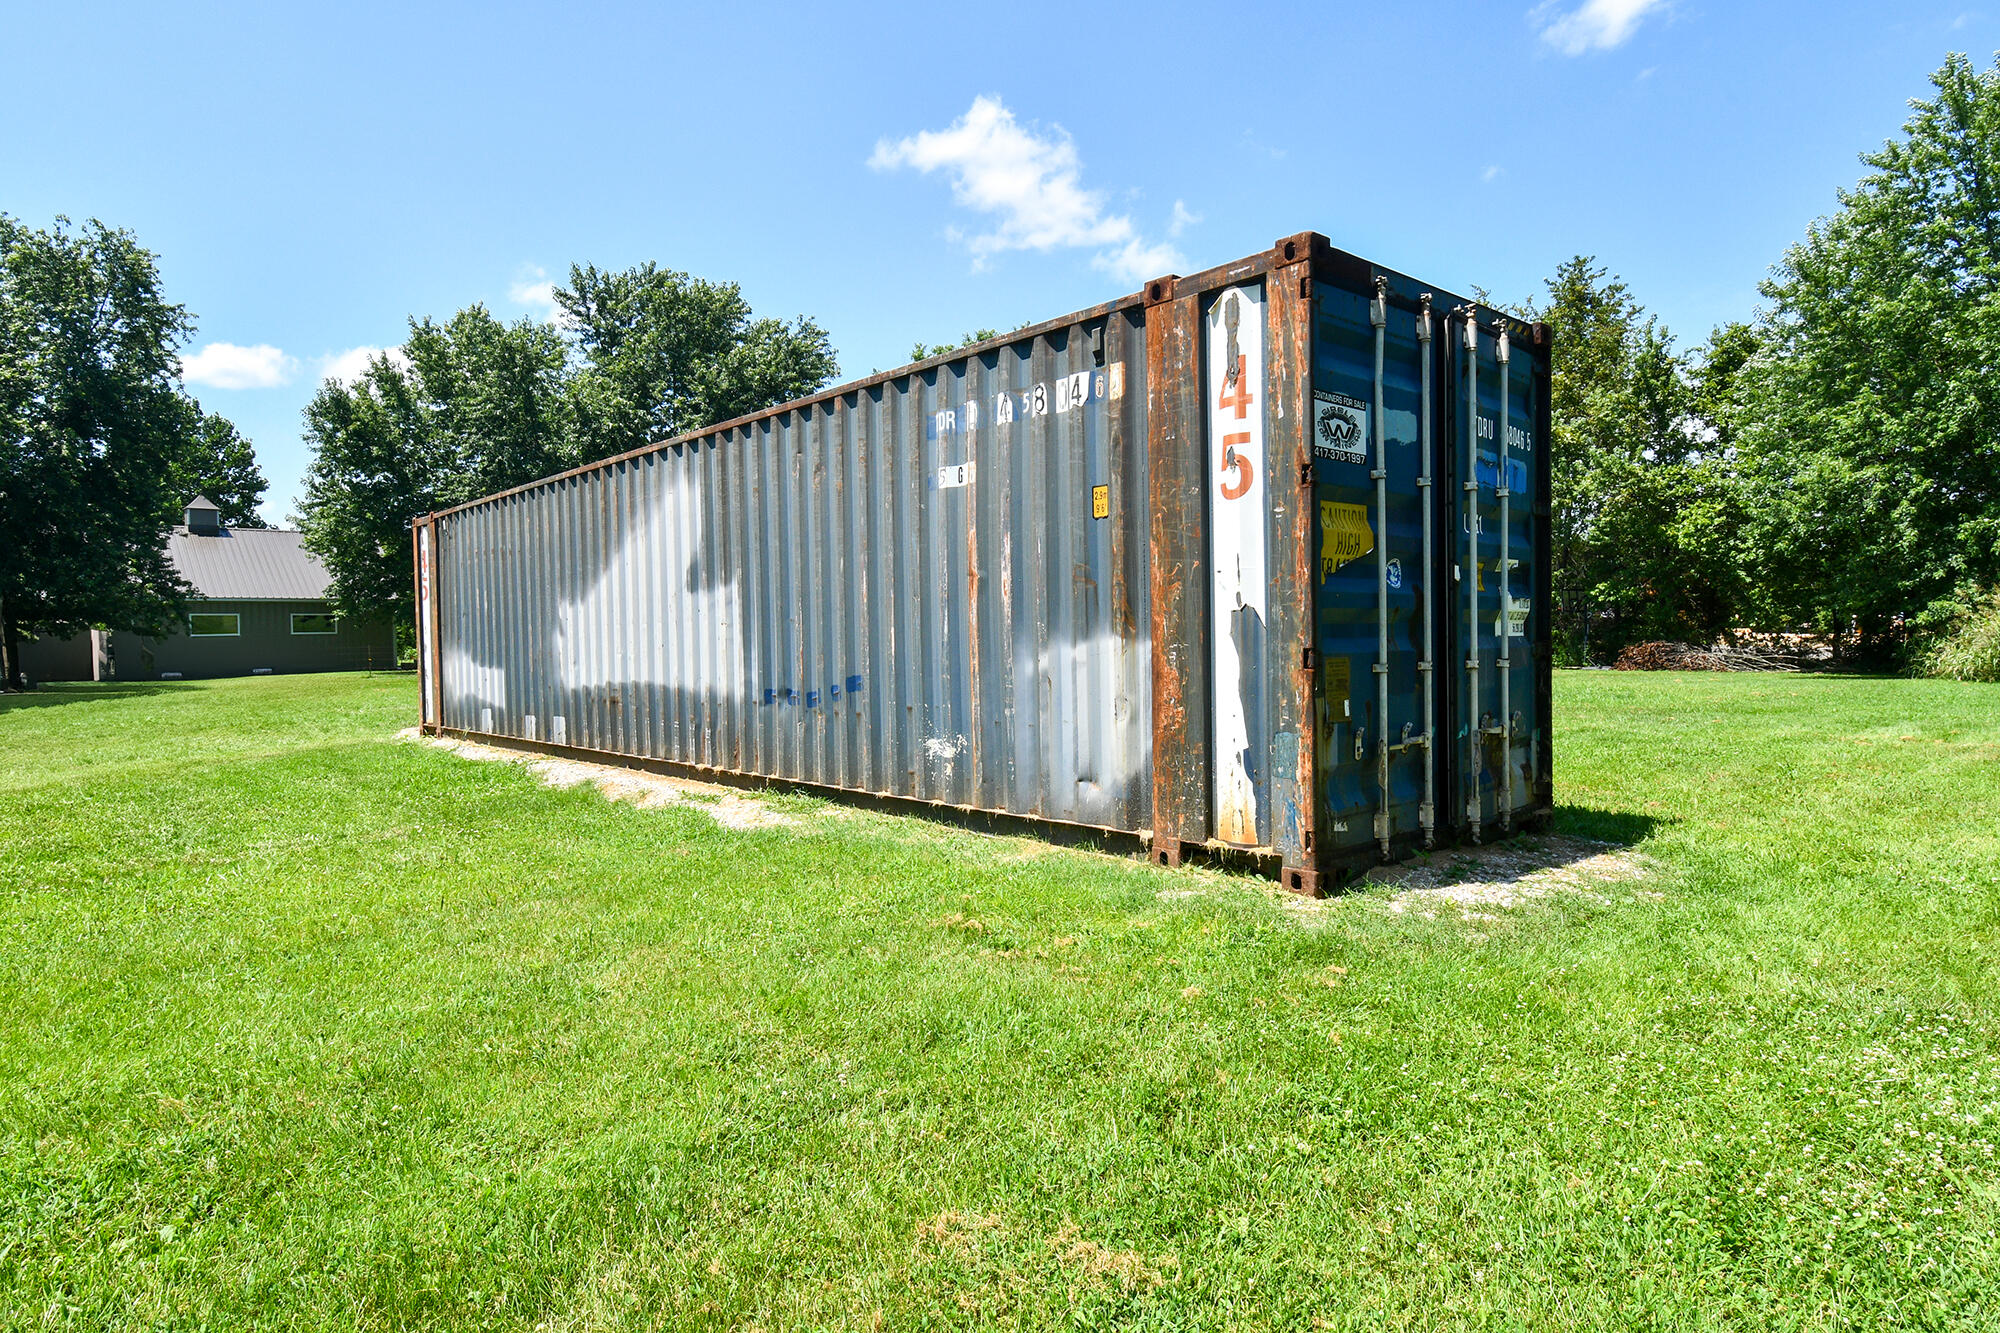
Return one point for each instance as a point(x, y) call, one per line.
point(1665, 656)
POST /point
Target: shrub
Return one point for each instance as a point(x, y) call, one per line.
point(1970, 648)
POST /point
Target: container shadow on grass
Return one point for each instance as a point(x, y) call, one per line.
point(1622, 827)
point(1583, 852)
point(83, 692)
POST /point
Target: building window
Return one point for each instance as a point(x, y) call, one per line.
point(314, 622)
point(215, 624)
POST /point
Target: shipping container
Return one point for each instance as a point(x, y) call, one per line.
point(1253, 561)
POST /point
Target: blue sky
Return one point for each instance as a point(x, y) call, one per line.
point(312, 178)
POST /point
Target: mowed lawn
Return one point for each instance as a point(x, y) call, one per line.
point(301, 1026)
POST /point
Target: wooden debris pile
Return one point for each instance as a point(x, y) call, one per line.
point(1666, 656)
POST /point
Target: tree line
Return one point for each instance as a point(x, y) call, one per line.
point(1831, 466)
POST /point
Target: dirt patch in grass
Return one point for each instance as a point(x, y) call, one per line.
point(648, 791)
point(956, 1233)
point(1477, 881)
point(1093, 1265)
point(1473, 882)
point(1018, 1266)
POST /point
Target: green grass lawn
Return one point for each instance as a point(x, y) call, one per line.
point(304, 1027)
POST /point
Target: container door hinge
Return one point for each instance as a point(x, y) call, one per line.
point(1306, 659)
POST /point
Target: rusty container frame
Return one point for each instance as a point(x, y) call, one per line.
point(1157, 556)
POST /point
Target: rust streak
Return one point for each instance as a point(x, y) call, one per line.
point(1293, 284)
point(1179, 611)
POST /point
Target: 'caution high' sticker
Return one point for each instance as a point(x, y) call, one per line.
point(1344, 535)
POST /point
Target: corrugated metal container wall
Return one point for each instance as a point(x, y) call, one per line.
point(933, 587)
point(1242, 562)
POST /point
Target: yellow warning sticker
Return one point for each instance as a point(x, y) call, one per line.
point(1345, 535)
point(1100, 502)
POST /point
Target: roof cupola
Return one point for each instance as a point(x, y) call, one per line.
point(203, 518)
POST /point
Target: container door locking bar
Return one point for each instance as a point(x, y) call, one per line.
point(1412, 738)
point(1427, 812)
point(1470, 487)
point(1378, 316)
point(1506, 566)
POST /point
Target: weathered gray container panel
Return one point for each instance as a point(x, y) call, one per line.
point(903, 589)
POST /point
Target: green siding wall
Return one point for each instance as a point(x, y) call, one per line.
point(266, 641)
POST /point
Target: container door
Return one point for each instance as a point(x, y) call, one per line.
point(1498, 728)
point(1233, 337)
point(1375, 446)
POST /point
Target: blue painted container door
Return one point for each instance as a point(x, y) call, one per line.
point(1349, 529)
point(1498, 731)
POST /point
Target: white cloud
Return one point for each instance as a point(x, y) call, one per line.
point(1492, 173)
point(1252, 144)
point(535, 290)
point(227, 366)
point(1594, 25)
point(347, 367)
point(1137, 260)
point(1030, 185)
point(1182, 219)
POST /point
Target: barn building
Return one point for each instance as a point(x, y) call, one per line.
point(259, 607)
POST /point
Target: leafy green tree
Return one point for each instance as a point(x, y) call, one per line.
point(494, 398)
point(664, 353)
point(93, 428)
point(1868, 419)
point(375, 462)
point(923, 352)
point(1717, 377)
point(471, 406)
point(222, 465)
point(1643, 502)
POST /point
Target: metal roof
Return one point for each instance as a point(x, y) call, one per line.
point(248, 564)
